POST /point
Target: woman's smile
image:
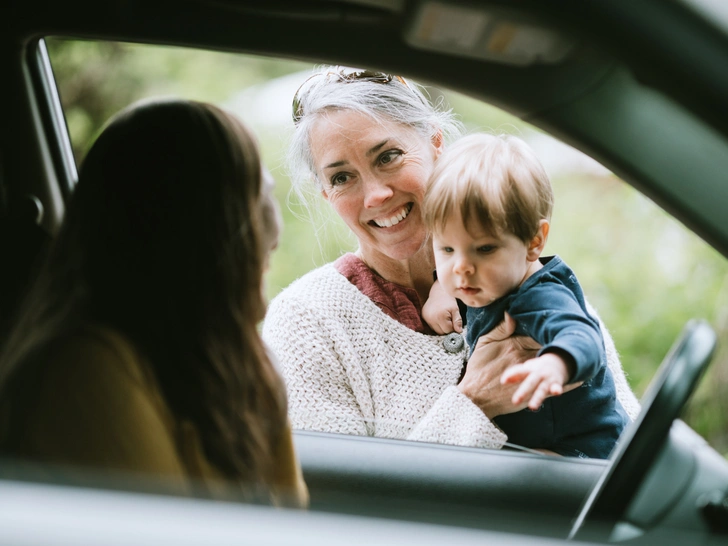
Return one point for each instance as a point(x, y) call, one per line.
point(393, 219)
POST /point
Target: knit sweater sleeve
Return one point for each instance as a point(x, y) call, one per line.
point(319, 395)
point(455, 420)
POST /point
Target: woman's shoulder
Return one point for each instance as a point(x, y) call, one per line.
point(324, 299)
point(94, 351)
point(314, 279)
point(321, 287)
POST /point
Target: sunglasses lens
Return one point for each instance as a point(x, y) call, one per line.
point(300, 93)
point(368, 76)
point(344, 76)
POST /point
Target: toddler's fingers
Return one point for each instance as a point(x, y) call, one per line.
point(437, 328)
point(539, 395)
point(443, 323)
point(526, 389)
point(457, 323)
point(571, 386)
point(514, 374)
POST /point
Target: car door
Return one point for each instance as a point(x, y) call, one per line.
point(504, 490)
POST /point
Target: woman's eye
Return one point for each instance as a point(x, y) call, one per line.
point(389, 156)
point(339, 179)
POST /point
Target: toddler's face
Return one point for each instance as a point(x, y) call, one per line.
point(477, 266)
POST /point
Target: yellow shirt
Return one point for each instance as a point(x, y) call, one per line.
point(98, 406)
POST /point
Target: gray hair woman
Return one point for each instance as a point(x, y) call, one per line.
point(355, 352)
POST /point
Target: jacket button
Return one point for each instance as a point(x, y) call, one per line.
point(453, 343)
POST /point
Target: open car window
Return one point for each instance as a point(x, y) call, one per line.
point(644, 272)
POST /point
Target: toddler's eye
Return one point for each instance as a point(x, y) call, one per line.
point(486, 249)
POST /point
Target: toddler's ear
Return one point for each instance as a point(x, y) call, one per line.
point(537, 244)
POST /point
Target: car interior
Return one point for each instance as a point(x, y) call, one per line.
point(639, 87)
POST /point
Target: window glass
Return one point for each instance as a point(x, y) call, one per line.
point(642, 270)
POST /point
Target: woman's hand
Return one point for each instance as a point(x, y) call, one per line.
point(494, 352)
point(441, 312)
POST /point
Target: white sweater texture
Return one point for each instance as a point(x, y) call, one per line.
point(350, 368)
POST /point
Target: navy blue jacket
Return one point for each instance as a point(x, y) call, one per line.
point(549, 307)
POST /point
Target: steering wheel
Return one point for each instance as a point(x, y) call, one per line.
point(642, 441)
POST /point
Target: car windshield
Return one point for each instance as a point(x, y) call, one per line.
point(642, 270)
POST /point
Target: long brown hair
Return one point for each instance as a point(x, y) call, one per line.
point(165, 240)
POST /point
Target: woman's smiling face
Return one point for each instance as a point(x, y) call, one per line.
point(374, 175)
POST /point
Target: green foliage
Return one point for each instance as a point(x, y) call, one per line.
point(647, 275)
point(644, 272)
point(97, 79)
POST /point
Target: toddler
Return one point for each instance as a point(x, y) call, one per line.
point(488, 206)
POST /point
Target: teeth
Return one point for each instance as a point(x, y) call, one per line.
point(396, 219)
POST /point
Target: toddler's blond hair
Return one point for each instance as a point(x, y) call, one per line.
point(494, 180)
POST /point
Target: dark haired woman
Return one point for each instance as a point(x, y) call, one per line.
point(137, 350)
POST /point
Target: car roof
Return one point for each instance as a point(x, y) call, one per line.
point(641, 88)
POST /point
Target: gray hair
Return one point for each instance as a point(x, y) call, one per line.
point(399, 101)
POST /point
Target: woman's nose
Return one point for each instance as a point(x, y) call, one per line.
point(376, 192)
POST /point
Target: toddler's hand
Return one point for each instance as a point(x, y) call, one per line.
point(441, 312)
point(540, 378)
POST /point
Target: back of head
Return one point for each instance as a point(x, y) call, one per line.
point(165, 213)
point(494, 180)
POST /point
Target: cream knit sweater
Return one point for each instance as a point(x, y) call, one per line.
point(352, 369)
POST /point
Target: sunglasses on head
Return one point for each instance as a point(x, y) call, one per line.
point(343, 76)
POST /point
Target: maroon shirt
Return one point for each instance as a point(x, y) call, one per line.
point(399, 302)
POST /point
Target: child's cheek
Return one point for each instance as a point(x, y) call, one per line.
point(449, 282)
